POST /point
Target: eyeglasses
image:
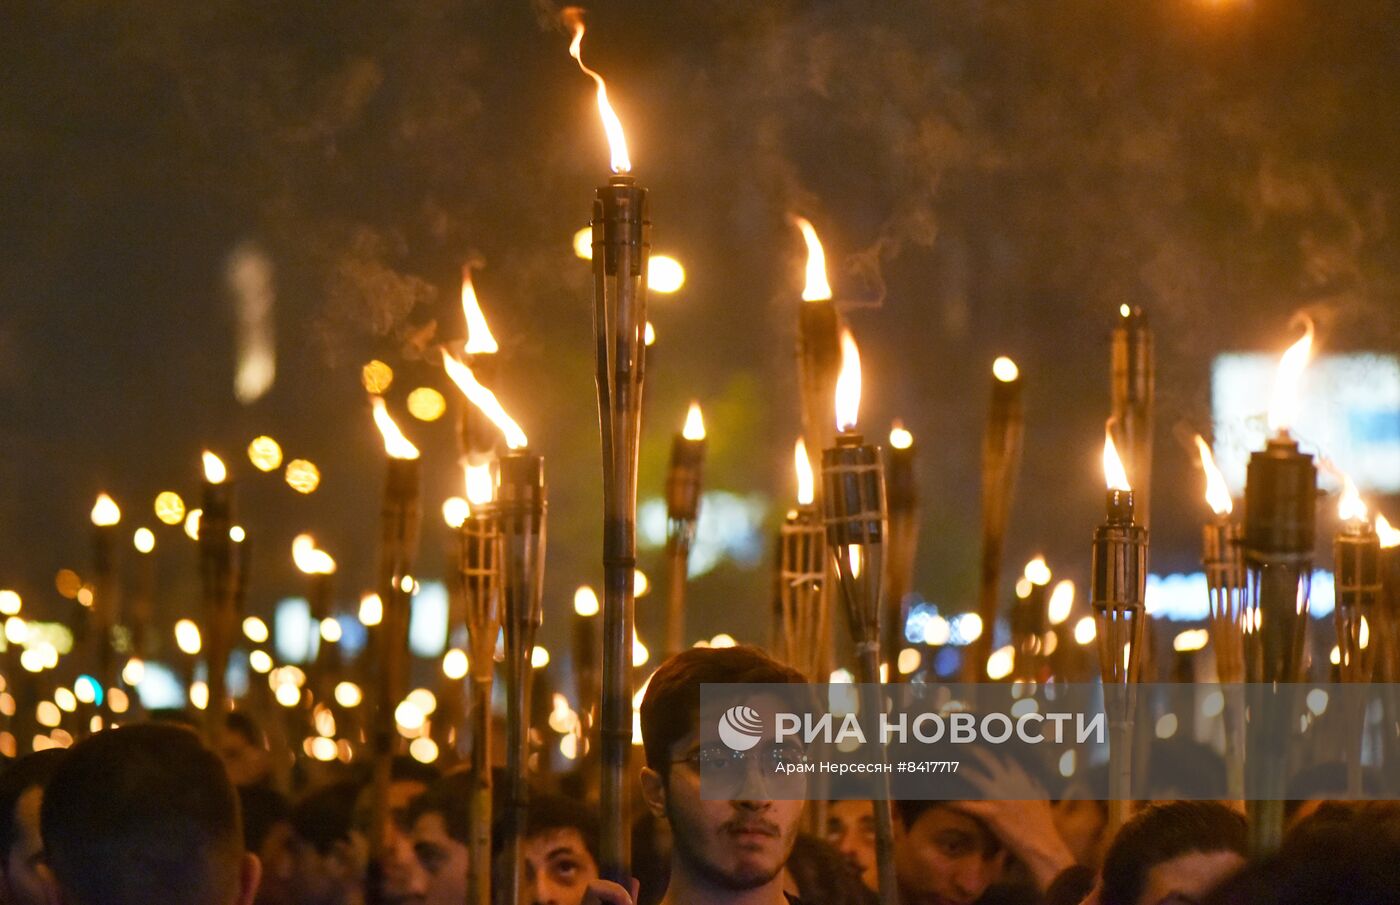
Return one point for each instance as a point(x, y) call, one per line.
point(724, 771)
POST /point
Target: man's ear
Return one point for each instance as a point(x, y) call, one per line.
point(654, 791)
point(249, 876)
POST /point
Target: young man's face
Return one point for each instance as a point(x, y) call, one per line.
point(558, 867)
point(945, 858)
point(850, 828)
point(739, 843)
point(444, 860)
point(22, 883)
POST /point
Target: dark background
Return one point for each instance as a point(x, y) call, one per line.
point(989, 178)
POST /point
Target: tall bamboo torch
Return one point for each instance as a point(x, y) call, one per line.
point(1001, 460)
point(1131, 381)
point(1116, 593)
point(1357, 573)
point(479, 561)
point(853, 508)
point(802, 572)
point(1280, 514)
point(217, 572)
point(520, 519)
point(621, 247)
point(1388, 615)
point(398, 544)
point(902, 498)
point(105, 613)
point(1030, 622)
point(318, 566)
point(1223, 557)
point(683, 483)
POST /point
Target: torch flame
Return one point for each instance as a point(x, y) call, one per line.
point(105, 511)
point(479, 338)
point(308, 558)
point(585, 601)
point(1005, 370)
point(617, 141)
point(900, 438)
point(806, 482)
point(817, 288)
point(848, 384)
point(480, 487)
point(214, 470)
point(1350, 507)
point(1283, 407)
point(694, 423)
point(1390, 537)
point(1217, 494)
point(1113, 470)
point(395, 443)
point(485, 400)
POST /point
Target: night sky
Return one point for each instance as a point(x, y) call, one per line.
point(988, 177)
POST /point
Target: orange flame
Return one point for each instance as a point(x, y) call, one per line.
point(1217, 494)
point(1113, 471)
point(900, 438)
point(617, 140)
point(1283, 407)
point(214, 470)
point(1389, 536)
point(480, 485)
point(105, 512)
point(848, 384)
point(1005, 370)
point(308, 558)
point(806, 481)
point(694, 423)
point(1350, 507)
point(395, 443)
point(479, 338)
point(817, 288)
point(485, 400)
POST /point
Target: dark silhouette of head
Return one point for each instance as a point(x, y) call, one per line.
point(145, 814)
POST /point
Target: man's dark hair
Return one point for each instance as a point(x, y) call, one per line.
point(405, 769)
point(555, 812)
point(143, 814)
point(262, 809)
point(1163, 832)
point(326, 815)
point(29, 772)
point(671, 708)
point(450, 797)
point(244, 726)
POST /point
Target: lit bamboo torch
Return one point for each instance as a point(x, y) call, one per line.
point(853, 509)
point(1116, 593)
point(318, 566)
point(105, 613)
point(479, 561)
point(1388, 614)
point(683, 483)
point(398, 544)
point(520, 518)
point(1030, 622)
point(1131, 380)
point(1001, 460)
point(1223, 558)
point(621, 247)
point(902, 499)
point(802, 559)
point(1357, 574)
point(220, 584)
point(1280, 512)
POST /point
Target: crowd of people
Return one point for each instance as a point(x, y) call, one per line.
point(152, 813)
